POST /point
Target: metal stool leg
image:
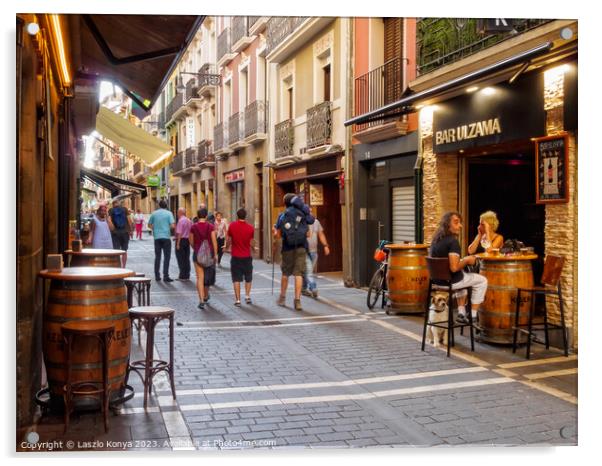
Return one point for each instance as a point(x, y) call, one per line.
point(562, 322)
point(171, 353)
point(148, 359)
point(530, 327)
point(426, 315)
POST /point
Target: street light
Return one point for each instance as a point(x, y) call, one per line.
point(203, 79)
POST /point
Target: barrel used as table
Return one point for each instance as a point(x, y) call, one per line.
point(504, 275)
point(89, 257)
point(407, 278)
point(79, 294)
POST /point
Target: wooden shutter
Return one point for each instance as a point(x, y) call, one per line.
point(393, 49)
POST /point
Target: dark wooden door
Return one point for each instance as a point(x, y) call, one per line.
point(329, 215)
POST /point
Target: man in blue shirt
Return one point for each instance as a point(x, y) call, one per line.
point(161, 223)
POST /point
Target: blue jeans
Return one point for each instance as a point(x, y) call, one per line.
point(309, 281)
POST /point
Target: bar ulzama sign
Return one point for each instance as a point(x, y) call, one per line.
point(469, 131)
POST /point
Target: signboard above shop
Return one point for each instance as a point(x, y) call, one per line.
point(491, 115)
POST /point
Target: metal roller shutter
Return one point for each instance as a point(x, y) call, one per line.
point(402, 206)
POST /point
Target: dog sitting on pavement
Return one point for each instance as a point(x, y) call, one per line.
point(438, 313)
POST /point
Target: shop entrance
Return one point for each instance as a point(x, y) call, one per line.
point(506, 185)
point(329, 214)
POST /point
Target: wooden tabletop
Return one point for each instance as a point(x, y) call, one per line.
point(502, 257)
point(402, 246)
point(87, 273)
point(96, 252)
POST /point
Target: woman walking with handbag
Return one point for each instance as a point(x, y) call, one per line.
point(204, 245)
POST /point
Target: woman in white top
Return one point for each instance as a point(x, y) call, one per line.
point(221, 229)
point(100, 233)
point(139, 222)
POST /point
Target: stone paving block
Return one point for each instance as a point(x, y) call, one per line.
point(263, 427)
point(305, 440)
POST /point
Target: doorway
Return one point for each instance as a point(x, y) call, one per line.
point(329, 214)
point(506, 185)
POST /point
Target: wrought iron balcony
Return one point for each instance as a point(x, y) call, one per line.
point(173, 106)
point(284, 138)
point(240, 28)
point(161, 120)
point(190, 158)
point(441, 41)
point(205, 152)
point(256, 122)
point(223, 44)
point(235, 129)
point(377, 88)
point(191, 90)
point(177, 164)
point(208, 82)
point(319, 125)
point(279, 28)
point(220, 137)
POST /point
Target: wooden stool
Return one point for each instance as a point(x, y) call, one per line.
point(141, 286)
point(550, 286)
point(150, 316)
point(439, 270)
point(103, 332)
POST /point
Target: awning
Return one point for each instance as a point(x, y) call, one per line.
point(111, 183)
point(406, 104)
point(150, 149)
point(138, 52)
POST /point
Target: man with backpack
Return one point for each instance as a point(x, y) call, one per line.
point(292, 227)
point(120, 225)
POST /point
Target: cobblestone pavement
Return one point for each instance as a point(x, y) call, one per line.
point(332, 375)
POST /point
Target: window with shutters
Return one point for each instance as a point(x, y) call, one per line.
point(393, 51)
point(402, 206)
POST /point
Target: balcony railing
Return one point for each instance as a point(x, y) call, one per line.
point(279, 28)
point(319, 125)
point(240, 28)
point(190, 157)
point(256, 121)
point(177, 164)
point(205, 152)
point(284, 138)
point(376, 88)
point(173, 106)
point(441, 41)
point(252, 20)
point(223, 44)
point(220, 139)
point(192, 90)
point(234, 128)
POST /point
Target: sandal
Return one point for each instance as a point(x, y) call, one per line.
point(237, 303)
point(248, 300)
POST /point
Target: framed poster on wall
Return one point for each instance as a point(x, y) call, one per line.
point(551, 169)
point(316, 194)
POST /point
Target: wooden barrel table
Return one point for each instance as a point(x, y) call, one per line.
point(407, 278)
point(79, 294)
point(89, 257)
point(504, 275)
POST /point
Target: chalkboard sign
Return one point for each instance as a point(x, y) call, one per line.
point(551, 155)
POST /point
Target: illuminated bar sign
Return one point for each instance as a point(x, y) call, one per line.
point(491, 115)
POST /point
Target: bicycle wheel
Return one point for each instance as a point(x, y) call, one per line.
point(376, 288)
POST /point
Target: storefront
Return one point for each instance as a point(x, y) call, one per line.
point(385, 208)
point(510, 148)
point(321, 184)
point(235, 185)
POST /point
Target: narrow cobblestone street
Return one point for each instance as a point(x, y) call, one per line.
point(333, 375)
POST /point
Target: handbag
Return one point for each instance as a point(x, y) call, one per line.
point(204, 257)
point(476, 268)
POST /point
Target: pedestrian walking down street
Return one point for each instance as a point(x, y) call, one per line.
point(183, 244)
point(139, 221)
point(204, 245)
point(221, 228)
point(161, 223)
point(292, 227)
point(240, 241)
point(316, 232)
point(119, 223)
point(100, 233)
point(131, 223)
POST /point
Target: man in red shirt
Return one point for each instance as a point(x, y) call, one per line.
point(240, 237)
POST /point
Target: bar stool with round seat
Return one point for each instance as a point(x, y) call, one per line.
point(102, 331)
point(149, 317)
point(550, 286)
point(439, 271)
point(141, 287)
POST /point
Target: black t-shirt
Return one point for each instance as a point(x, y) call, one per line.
point(442, 248)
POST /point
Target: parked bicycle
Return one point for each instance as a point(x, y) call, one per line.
point(378, 284)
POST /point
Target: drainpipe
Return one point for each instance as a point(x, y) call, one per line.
point(349, 280)
point(418, 204)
